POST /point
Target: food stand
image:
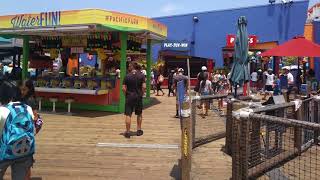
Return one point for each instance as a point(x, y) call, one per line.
point(89, 50)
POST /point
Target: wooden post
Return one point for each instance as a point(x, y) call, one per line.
point(316, 120)
point(240, 152)
point(186, 143)
point(149, 59)
point(229, 124)
point(255, 144)
point(123, 68)
point(193, 120)
point(298, 130)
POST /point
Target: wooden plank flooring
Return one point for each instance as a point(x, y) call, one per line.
point(67, 148)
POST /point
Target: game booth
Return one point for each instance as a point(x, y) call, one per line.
point(81, 56)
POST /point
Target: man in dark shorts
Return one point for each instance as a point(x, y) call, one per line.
point(134, 87)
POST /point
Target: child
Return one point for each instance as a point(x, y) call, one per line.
point(17, 143)
point(27, 93)
point(205, 89)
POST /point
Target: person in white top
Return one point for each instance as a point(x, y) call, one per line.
point(289, 77)
point(269, 80)
point(215, 81)
point(143, 71)
point(205, 89)
point(254, 79)
point(290, 81)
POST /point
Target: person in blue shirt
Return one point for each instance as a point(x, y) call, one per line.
point(276, 89)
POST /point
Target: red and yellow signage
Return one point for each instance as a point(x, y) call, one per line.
point(110, 19)
point(231, 39)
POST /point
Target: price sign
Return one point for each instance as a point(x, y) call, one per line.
point(77, 50)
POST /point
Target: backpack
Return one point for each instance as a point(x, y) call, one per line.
point(17, 139)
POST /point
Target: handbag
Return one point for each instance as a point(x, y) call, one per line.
point(161, 79)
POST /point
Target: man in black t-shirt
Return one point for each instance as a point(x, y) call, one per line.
point(134, 87)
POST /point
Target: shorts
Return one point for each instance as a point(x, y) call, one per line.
point(205, 93)
point(159, 86)
point(268, 88)
point(19, 167)
point(131, 107)
point(254, 83)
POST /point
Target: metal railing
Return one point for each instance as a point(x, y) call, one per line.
point(277, 142)
point(197, 131)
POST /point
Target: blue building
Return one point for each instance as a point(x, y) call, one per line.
point(316, 26)
point(208, 30)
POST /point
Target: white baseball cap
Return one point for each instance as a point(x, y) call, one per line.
point(181, 70)
point(203, 68)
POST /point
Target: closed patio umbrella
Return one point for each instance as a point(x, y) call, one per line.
point(239, 71)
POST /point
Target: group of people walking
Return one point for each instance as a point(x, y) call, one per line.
point(19, 123)
point(267, 81)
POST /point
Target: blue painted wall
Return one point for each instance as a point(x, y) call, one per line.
point(316, 31)
point(277, 22)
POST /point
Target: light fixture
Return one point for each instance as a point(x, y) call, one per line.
point(287, 1)
point(195, 19)
point(272, 1)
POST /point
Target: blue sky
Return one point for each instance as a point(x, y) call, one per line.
point(150, 8)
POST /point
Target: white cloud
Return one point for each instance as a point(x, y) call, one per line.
point(169, 8)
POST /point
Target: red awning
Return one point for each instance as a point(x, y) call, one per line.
point(298, 46)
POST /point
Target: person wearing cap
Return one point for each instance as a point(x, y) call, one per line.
point(177, 78)
point(200, 77)
point(290, 79)
point(269, 81)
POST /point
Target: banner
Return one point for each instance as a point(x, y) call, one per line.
point(113, 20)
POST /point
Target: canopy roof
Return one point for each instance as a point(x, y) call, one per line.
point(79, 22)
point(298, 46)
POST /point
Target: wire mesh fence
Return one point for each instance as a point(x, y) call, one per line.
point(269, 145)
point(211, 126)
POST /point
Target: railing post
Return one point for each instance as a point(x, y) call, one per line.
point(298, 130)
point(255, 144)
point(186, 143)
point(194, 121)
point(241, 150)
point(316, 120)
point(229, 124)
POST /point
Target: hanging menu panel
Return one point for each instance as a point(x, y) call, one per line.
point(74, 41)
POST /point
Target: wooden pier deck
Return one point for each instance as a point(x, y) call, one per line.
point(89, 146)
